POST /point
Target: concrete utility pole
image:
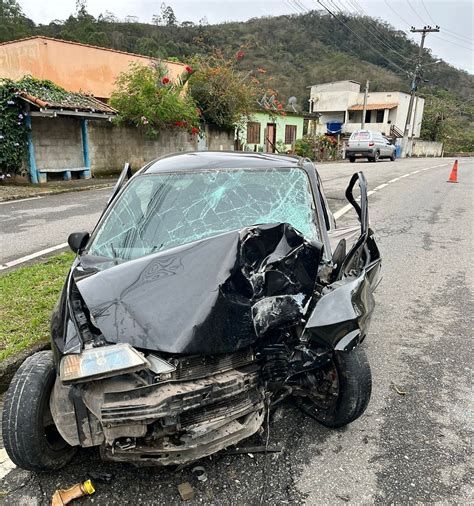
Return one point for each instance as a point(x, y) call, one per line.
point(364, 110)
point(416, 78)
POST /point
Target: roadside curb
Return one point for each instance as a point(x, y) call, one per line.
point(55, 192)
point(10, 365)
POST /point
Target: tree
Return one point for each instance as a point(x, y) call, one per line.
point(168, 15)
point(13, 23)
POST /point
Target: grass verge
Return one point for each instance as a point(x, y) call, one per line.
point(28, 295)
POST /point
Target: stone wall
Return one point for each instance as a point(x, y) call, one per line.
point(57, 143)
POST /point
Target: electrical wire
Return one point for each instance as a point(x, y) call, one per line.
point(380, 40)
point(396, 13)
point(452, 42)
point(361, 39)
point(416, 13)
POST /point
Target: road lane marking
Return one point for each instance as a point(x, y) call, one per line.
point(348, 207)
point(14, 201)
point(337, 215)
point(33, 256)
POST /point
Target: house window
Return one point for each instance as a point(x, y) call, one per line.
point(380, 116)
point(253, 132)
point(368, 116)
point(290, 134)
point(352, 116)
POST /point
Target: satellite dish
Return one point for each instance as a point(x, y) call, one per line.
point(292, 103)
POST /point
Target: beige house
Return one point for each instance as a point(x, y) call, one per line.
point(339, 106)
point(71, 65)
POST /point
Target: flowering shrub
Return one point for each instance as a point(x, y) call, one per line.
point(225, 94)
point(317, 147)
point(149, 99)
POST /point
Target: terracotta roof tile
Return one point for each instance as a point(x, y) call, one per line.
point(373, 107)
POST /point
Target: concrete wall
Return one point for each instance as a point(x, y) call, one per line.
point(111, 146)
point(57, 143)
point(74, 66)
point(417, 147)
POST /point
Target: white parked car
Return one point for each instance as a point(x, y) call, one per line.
point(370, 145)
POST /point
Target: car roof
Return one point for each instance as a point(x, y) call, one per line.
point(200, 160)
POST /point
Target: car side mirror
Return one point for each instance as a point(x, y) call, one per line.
point(78, 240)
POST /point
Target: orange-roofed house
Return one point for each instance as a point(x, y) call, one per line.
point(73, 66)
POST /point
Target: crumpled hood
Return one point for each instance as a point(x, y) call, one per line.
point(204, 297)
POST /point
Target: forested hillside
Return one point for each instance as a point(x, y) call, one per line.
point(296, 51)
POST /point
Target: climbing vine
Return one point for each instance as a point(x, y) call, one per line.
point(13, 129)
point(13, 126)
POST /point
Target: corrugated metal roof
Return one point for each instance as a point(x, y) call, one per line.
point(373, 107)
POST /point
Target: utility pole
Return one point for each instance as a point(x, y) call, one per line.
point(416, 78)
point(364, 110)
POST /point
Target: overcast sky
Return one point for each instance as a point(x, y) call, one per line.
point(453, 44)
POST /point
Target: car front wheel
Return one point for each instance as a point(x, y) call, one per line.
point(340, 392)
point(352, 159)
point(30, 436)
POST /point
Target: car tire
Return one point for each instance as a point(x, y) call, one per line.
point(354, 390)
point(29, 434)
point(393, 157)
point(352, 159)
point(375, 158)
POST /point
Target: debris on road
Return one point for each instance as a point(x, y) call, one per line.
point(398, 389)
point(101, 477)
point(186, 491)
point(252, 450)
point(61, 497)
point(200, 473)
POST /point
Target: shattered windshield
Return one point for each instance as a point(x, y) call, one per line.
point(160, 211)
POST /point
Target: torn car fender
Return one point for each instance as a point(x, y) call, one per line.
point(341, 317)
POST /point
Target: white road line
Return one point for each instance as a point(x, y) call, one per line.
point(347, 208)
point(14, 201)
point(32, 256)
point(337, 215)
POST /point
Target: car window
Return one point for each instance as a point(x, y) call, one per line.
point(160, 211)
point(360, 136)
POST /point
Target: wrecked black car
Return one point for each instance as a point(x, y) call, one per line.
point(213, 286)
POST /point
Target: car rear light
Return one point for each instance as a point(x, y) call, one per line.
point(371, 144)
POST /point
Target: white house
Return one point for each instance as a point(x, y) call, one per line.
point(339, 106)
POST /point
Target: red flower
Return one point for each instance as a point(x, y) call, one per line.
point(165, 80)
point(194, 130)
point(239, 55)
point(279, 107)
point(188, 69)
point(180, 123)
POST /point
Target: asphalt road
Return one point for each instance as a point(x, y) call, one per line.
point(406, 449)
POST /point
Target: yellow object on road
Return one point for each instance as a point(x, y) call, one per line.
point(61, 497)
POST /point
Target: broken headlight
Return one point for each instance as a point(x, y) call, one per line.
point(101, 362)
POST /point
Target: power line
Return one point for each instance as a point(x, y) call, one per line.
point(454, 43)
point(380, 39)
point(427, 12)
point(416, 13)
point(359, 37)
point(396, 13)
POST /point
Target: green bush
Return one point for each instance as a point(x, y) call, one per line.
point(147, 98)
